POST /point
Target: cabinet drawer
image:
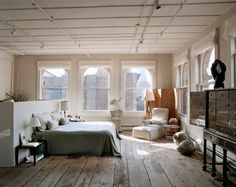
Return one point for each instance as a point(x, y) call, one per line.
point(232, 106)
point(232, 123)
point(232, 116)
point(222, 95)
point(212, 111)
point(232, 94)
point(212, 103)
point(222, 105)
point(212, 94)
point(211, 125)
point(212, 118)
point(222, 118)
point(223, 142)
point(227, 130)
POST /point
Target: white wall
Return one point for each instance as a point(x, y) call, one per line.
point(6, 68)
point(26, 77)
point(15, 117)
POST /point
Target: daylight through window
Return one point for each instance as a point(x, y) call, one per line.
point(136, 80)
point(54, 84)
point(183, 74)
point(95, 89)
point(205, 61)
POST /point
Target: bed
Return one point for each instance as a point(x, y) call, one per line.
point(85, 138)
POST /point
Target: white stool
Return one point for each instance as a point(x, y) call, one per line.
point(149, 132)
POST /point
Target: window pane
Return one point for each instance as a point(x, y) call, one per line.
point(179, 75)
point(185, 74)
point(96, 89)
point(136, 80)
point(184, 96)
point(182, 100)
point(207, 61)
point(55, 84)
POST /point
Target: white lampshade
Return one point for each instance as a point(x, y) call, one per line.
point(34, 122)
point(148, 94)
point(64, 105)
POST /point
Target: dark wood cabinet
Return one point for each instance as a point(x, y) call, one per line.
point(220, 128)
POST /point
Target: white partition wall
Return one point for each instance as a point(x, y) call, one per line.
point(15, 118)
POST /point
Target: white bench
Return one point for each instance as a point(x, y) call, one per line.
point(149, 132)
point(154, 128)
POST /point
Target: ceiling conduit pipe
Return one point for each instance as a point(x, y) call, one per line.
point(146, 25)
point(16, 28)
point(51, 19)
point(137, 26)
point(172, 19)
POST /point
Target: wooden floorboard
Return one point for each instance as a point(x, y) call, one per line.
point(121, 176)
point(143, 163)
point(72, 174)
point(87, 173)
point(44, 172)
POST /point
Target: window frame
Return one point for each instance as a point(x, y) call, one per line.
point(83, 65)
point(125, 65)
point(199, 62)
point(233, 61)
point(43, 65)
point(42, 87)
point(82, 89)
point(181, 86)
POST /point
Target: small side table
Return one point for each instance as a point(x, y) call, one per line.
point(33, 149)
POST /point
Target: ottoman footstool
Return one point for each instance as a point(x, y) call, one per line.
point(149, 132)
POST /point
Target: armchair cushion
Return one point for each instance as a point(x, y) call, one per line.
point(160, 116)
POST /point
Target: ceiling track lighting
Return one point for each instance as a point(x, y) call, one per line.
point(157, 4)
point(51, 19)
point(34, 3)
point(14, 31)
point(42, 45)
point(16, 28)
point(141, 41)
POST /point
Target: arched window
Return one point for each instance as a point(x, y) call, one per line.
point(136, 80)
point(205, 61)
point(95, 89)
point(54, 84)
point(183, 74)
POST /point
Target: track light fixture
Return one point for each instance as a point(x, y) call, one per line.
point(42, 45)
point(141, 41)
point(13, 31)
point(157, 4)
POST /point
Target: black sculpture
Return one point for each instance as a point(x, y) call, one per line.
point(218, 70)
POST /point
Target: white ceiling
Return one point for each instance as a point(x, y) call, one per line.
point(104, 26)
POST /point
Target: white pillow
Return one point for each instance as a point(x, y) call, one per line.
point(159, 122)
point(57, 116)
point(44, 118)
point(52, 124)
point(64, 121)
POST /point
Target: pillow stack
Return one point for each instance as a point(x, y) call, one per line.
point(43, 119)
point(50, 121)
point(60, 118)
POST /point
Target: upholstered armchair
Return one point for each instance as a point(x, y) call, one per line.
point(159, 116)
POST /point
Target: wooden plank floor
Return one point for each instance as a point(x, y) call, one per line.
point(144, 163)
